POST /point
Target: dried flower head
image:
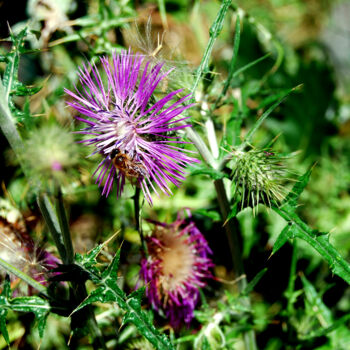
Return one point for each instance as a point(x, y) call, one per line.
point(133, 133)
point(17, 247)
point(160, 46)
point(51, 152)
point(178, 265)
point(258, 176)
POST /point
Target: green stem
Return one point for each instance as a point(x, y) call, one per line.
point(202, 148)
point(214, 32)
point(9, 129)
point(231, 233)
point(87, 315)
point(137, 213)
point(53, 224)
point(161, 5)
point(231, 72)
point(62, 219)
point(234, 241)
point(292, 277)
point(32, 282)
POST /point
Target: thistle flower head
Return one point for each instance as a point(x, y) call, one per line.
point(177, 266)
point(258, 177)
point(130, 130)
point(51, 152)
point(17, 247)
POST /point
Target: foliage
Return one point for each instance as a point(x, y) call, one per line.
point(281, 276)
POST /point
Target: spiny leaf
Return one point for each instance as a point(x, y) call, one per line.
point(298, 188)
point(318, 240)
point(10, 79)
point(298, 228)
point(282, 239)
point(109, 291)
point(40, 307)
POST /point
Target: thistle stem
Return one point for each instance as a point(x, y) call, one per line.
point(137, 212)
point(292, 276)
point(32, 282)
point(9, 129)
point(214, 32)
point(62, 219)
point(52, 223)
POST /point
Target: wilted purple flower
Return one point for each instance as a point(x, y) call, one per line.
point(18, 248)
point(133, 132)
point(177, 266)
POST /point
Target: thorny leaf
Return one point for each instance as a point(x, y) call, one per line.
point(40, 307)
point(298, 228)
point(109, 291)
point(10, 79)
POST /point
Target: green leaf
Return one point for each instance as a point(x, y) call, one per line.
point(10, 78)
point(282, 238)
point(211, 214)
point(214, 32)
point(251, 285)
point(109, 291)
point(233, 211)
point(213, 173)
point(258, 123)
point(40, 307)
point(23, 90)
point(251, 64)
point(318, 240)
point(297, 228)
point(298, 188)
point(6, 292)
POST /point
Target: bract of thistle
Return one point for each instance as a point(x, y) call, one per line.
point(133, 133)
point(258, 176)
point(178, 265)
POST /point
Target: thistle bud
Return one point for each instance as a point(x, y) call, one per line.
point(258, 176)
point(51, 153)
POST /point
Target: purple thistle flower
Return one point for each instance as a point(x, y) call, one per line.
point(177, 266)
point(133, 133)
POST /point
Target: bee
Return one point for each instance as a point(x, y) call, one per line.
point(131, 168)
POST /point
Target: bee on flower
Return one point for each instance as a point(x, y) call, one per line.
point(133, 133)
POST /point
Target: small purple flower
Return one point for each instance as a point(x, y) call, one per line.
point(177, 266)
point(134, 133)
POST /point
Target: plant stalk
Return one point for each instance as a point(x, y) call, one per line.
point(234, 241)
point(137, 213)
point(63, 222)
point(292, 277)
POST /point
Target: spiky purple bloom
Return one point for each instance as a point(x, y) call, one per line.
point(133, 133)
point(178, 265)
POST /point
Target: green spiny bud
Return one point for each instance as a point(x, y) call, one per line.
point(258, 176)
